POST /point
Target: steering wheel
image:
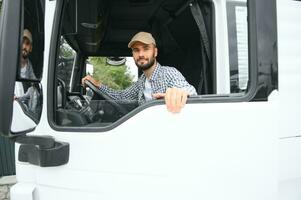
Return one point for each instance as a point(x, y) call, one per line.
point(109, 99)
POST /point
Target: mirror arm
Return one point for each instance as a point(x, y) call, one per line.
point(44, 142)
point(42, 151)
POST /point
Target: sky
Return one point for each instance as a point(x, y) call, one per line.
point(131, 66)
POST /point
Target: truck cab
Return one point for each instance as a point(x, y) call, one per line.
point(238, 138)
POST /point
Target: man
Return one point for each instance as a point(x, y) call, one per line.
point(28, 97)
point(156, 81)
point(26, 70)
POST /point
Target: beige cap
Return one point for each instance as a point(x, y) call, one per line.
point(27, 34)
point(143, 37)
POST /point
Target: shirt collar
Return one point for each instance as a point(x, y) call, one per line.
point(155, 74)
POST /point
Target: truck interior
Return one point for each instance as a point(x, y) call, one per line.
point(104, 28)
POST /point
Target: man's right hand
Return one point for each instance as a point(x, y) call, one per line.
point(175, 99)
point(92, 80)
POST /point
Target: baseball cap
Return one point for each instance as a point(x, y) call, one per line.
point(27, 34)
point(143, 37)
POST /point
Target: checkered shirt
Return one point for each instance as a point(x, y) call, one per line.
point(162, 78)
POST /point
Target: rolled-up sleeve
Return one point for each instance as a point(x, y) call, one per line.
point(176, 79)
point(130, 93)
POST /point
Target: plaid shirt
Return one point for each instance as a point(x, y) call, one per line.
point(162, 78)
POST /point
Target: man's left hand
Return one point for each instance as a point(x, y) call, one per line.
point(175, 99)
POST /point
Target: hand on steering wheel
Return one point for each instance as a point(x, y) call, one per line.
point(92, 80)
point(109, 99)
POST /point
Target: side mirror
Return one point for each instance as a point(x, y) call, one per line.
point(13, 17)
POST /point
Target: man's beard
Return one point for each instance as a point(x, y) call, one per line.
point(150, 62)
point(25, 54)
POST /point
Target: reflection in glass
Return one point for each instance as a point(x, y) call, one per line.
point(29, 96)
point(20, 121)
point(26, 68)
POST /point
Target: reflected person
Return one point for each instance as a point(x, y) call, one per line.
point(26, 70)
point(27, 95)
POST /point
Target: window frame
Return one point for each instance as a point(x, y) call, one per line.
point(232, 4)
point(230, 98)
point(74, 63)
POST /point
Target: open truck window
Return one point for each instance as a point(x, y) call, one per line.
point(90, 38)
